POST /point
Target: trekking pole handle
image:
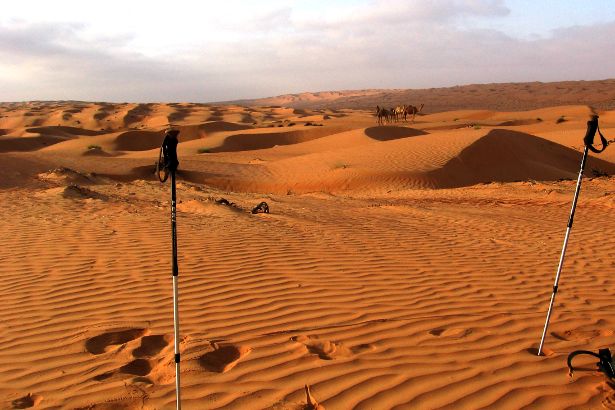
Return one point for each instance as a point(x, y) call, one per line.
point(592, 127)
point(169, 149)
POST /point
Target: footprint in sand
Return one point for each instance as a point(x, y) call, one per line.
point(223, 358)
point(455, 333)
point(138, 367)
point(151, 345)
point(27, 401)
point(145, 355)
point(329, 350)
point(576, 335)
point(99, 344)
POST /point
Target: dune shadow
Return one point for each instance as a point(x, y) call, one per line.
point(219, 126)
point(138, 140)
point(389, 132)
point(247, 119)
point(63, 131)
point(516, 123)
point(101, 115)
point(25, 144)
point(137, 114)
point(179, 115)
point(511, 156)
point(251, 142)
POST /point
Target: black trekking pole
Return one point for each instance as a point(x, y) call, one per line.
point(167, 163)
point(592, 126)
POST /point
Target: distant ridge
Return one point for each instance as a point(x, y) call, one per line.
point(599, 94)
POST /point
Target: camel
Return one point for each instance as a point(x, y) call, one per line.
point(412, 110)
point(383, 115)
point(399, 111)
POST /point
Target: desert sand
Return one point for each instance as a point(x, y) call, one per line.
point(402, 266)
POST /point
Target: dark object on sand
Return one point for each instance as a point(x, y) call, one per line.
point(605, 365)
point(224, 201)
point(262, 207)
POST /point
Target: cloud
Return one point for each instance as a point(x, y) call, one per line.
point(404, 12)
point(388, 44)
point(61, 64)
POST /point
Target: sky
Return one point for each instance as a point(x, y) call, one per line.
point(205, 51)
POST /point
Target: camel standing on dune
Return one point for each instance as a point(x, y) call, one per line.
point(412, 110)
point(383, 115)
point(398, 111)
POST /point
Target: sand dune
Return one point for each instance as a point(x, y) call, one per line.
point(507, 156)
point(401, 266)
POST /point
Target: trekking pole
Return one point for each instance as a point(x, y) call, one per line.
point(167, 163)
point(592, 126)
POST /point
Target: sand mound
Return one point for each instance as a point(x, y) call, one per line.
point(74, 191)
point(96, 151)
point(211, 209)
point(507, 156)
point(64, 175)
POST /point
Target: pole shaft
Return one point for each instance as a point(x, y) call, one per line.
point(563, 254)
point(175, 290)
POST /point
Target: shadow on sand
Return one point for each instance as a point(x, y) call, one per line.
point(389, 132)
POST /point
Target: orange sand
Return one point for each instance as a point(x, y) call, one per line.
point(402, 266)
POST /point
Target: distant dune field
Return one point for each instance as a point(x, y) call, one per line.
point(501, 97)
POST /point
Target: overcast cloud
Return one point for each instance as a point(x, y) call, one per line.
point(285, 47)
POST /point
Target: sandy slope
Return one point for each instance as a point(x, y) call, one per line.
point(401, 266)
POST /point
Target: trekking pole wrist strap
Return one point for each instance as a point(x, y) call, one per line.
point(592, 127)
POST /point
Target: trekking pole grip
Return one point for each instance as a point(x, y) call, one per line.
point(169, 147)
point(592, 127)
